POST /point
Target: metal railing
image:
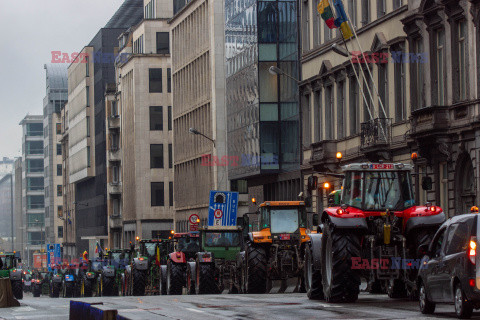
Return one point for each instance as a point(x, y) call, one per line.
point(376, 132)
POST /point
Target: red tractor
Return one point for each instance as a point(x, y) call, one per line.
point(376, 234)
point(186, 247)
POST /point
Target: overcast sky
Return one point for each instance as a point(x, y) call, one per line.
point(32, 29)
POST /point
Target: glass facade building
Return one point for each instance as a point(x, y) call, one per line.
point(262, 109)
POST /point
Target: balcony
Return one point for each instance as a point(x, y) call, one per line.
point(114, 154)
point(323, 154)
point(429, 120)
point(376, 135)
point(113, 122)
point(115, 221)
point(114, 187)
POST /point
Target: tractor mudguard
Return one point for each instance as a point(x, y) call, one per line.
point(359, 224)
point(193, 268)
point(16, 274)
point(108, 272)
point(178, 257)
point(140, 264)
point(316, 249)
point(424, 222)
point(205, 257)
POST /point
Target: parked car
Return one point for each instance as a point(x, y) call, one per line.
point(448, 271)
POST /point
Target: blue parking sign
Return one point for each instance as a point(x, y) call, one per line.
point(222, 210)
point(53, 255)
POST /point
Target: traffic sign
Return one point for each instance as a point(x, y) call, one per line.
point(193, 219)
point(222, 210)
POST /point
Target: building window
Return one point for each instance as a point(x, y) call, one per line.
point(169, 80)
point(354, 116)
point(365, 12)
point(35, 184)
point(34, 147)
point(59, 128)
point(352, 12)
point(381, 8)
point(163, 44)
point(156, 156)
point(59, 149)
point(170, 193)
point(155, 80)
point(422, 197)
point(60, 231)
point(88, 126)
point(417, 78)
point(89, 162)
point(170, 156)
point(116, 207)
point(170, 118)
point(462, 58)
point(158, 197)
point(240, 186)
point(397, 4)
point(138, 45)
point(400, 89)
point(115, 174)
point(340, 109)
point(87, 69)
point(87, 95)
point(34, 129)
point(367, 105)
point(156, 118)
point(439, 65)
point(114, 142)
point(114, 109)
point(36, 202)
point(306, 121)
point(329, 113)
point(305, 26)
point(59, 190)
point(34, 165)
point(383, 89)
point(59, 170)
point(317, 122)
point(60, 211)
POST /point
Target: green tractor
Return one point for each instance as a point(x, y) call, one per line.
point(111, 277)
point(214, 269)
point(143, 275)
point(10, 269)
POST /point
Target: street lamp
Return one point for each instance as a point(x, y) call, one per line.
point(196, 132)
point(341, 51)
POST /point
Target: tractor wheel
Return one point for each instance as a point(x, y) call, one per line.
point(108, 286)
point(87, 288)
point(37, 290)
point(175, 278)
point(313, 278)
point(341, 283)
point(190, 281)
point(233, 289)
point(205, 283)
point(163, 280)
point(139, 279)
point(396, 289)
point(55, 290)
point(68, 291)
point(17, 289)
point(376, 287)
point(256, 270)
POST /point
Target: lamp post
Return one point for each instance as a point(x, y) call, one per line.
point(196, 132)
point(279, 72)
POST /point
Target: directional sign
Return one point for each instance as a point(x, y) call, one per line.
point(222, 210)
point(53, 255)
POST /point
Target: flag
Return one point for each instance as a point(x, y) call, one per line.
point(85, 255)
point(342, 20)
point(326, 13)
point(98, 249)
point(157, 257)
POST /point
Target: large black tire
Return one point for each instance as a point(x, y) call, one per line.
point(341, 283)
point(205, 283)
point(108, 286)
point(463, 307)
point(312, 278)
point(36, 291)
point(163, 280)
point(88, 288)
point(56, 289)
point(68, 290)
point(426, 306)
point(17, 289)
point(418, 238)
point(139, 278)
point(190, 280)
point(175, 278)
point(256, 270)
point(376, 287)
point(396, 289)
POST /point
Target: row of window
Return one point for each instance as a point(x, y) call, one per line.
point(155, 80)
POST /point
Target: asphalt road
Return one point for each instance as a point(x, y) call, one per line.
point(271, 306)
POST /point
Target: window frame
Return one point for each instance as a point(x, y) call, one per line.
point(152, 157)
point(158, 79)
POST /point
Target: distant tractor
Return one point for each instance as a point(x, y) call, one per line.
point(111, 276)
point(10, 269)
point(275, 253)
point(374, 233)
point(186, 247)
point(214, 268)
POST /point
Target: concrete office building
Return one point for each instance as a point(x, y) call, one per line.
point(139, 133)
point(198, 76)
point(7, 233)
point(85, 129)
point(33, 195)
point(19, 220)
point(55, 99)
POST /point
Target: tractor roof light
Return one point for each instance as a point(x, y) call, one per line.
point(339, 156)
point(254, 200)
point(414, 156)
point(474, 209)
point(137, 238)
point(326, 185)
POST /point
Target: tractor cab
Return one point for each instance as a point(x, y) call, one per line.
point(188, 243)
point(378, 187)
point(148, 249)
point(223, 242)
point(281, 220)
point(119, 258)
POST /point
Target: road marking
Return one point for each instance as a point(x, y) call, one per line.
point(23, 309)
point(195, 310)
